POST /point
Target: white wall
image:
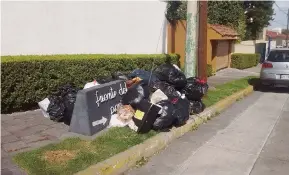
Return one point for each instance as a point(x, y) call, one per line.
point(273, 44)
point(249, 46)
point(82, 27)
point(244, 47)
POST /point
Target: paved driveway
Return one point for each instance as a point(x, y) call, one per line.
point(230, 74)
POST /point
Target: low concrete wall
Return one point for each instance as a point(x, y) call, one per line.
point(242, 48)
point(250, 46)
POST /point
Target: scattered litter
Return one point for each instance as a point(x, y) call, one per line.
point(135, 94)
point(105, 80)
point(125, 113)
point(43, 105)
point(132, 126)
point(133, 81)
point(119, 76)
point(158, 96)
point(166, 88)
point(145, 115)
point(116, 122)
point(91, 84)
point(146, 76)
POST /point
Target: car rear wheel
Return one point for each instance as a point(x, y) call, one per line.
point(261, 86)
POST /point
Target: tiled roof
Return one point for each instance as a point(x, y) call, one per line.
point(274, 35)
point(224, 30)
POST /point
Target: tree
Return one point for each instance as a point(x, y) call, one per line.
point(258, 15)
point(247, 17)
point(229, 13)
point(176, 10)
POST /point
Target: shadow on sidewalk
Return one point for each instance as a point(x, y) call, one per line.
point(256, 83)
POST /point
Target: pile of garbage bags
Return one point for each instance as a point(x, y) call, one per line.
point(166, 87)
point(157, 99)
point(60, 104)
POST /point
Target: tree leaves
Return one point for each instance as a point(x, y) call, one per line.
point(230, 13)
point(261, 12)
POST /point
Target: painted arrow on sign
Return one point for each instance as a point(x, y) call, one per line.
point(98, 122)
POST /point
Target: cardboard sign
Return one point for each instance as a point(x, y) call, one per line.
point(94, 107)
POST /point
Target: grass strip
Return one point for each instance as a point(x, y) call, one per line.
point(74, 154)
point(225, 90)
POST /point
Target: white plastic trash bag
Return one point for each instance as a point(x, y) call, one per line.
point(91, 84)
point(115, 122)
point(158, 96)
point(43, 106)
point(177, 67)
point(132, 125)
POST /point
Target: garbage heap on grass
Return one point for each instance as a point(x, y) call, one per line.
point(158, 99)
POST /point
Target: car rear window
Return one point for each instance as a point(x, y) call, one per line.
point(279, 56)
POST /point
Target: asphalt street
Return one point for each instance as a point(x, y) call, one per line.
point(250, 137)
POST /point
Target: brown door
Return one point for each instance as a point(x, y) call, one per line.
point(222, 56)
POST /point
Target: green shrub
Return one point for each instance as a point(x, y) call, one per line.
point(209, 70)
point(243, 61)
point(27, 80)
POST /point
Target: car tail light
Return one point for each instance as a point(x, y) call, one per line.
point(267, 65)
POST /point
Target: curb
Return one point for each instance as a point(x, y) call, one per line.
point(125, 160)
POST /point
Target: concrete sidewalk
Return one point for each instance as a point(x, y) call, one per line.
point(231, 74)
point(251, 137)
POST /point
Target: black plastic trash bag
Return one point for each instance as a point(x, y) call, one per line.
point(65, 89)
point(119, 76)
point(170, 74)
point(56, 108)
point(181, 111)
point(167, 89)
point(69, 100)
point(165, 119)
point(146, 76)
point(135, 94)
point(195, 89)
point(62, 103)
point(197, 107)
point(104, 80)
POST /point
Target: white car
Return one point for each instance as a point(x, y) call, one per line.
point(275, 69)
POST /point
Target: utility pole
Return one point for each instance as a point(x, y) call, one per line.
point(287, 28)
point(202, 40)
point(191, 39)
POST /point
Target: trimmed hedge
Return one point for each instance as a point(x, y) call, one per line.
point(27, 80)
point(243, 61)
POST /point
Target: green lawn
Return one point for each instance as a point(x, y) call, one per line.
point(73, 154)
point(225, 90)
point(84, 153)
